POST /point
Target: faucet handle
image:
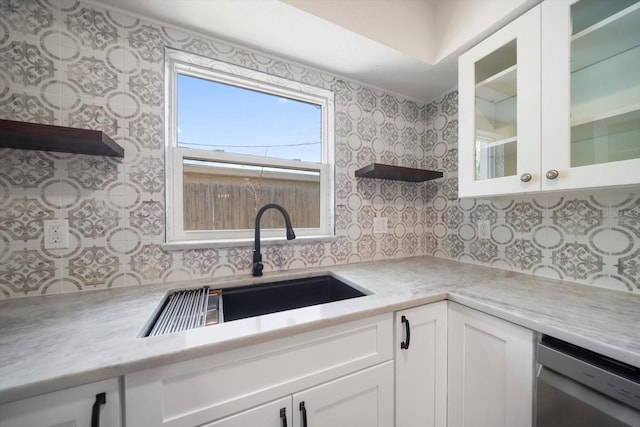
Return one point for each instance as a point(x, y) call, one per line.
point(257, 264)
point(290, 233)
point(257, 269)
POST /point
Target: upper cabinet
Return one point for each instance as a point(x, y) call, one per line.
point(499, 98)
point(552, 101)
point(590, 93)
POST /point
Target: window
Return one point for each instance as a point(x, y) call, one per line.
point(238, 139)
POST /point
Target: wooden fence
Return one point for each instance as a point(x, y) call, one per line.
point(214, 202)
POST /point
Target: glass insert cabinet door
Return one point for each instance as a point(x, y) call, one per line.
point(591, 93)
point(496, 113)
point(499, 109)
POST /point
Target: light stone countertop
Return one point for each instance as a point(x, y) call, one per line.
point(53, 342)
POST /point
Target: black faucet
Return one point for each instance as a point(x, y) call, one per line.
point(257, 256)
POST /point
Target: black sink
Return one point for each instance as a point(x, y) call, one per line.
point(256, 300)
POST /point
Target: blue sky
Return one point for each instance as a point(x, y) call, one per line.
point(217, 116)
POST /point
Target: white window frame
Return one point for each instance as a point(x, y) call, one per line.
point(179, 62)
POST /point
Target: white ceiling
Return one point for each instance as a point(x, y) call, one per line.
point(376, 42)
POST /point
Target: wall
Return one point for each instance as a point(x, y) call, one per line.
point(588, 237)
point(73, 64)
point(78, 65)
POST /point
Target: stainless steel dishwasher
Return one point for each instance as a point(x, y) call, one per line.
point(577, 387)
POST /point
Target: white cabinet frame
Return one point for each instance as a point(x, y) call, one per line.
point(556, 110)
point(526, 31)
point(491, 370)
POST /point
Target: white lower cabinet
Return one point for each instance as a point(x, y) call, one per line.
point(328, 369)
point(421, 366)
point(491, 371)
point(67, 408)
point(452, 366)
point(363, 399)
point(273, 414)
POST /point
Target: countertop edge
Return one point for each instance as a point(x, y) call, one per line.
point(34, 389)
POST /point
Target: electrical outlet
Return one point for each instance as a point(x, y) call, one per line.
point(56, 234)
point(379, 225)
point(484, 229)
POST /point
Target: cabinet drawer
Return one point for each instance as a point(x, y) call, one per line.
point(68, 407)
point(208, 388)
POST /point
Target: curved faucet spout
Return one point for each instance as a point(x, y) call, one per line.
point(257, 256)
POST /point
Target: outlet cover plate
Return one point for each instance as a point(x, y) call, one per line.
point(379, 225)
point(56, 234)
point(484, 229)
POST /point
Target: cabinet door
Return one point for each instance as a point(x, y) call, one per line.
point(499, 111)
point(213, 387)
point(421, 366)
point(491, 371)
point(273, 414)
point(591, 93)
point(363, 399)
point(71, 407)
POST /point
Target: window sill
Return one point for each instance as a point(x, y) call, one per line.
point(235, 243)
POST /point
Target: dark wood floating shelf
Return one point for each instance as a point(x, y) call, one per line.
point(397, 173)
point(35, 136)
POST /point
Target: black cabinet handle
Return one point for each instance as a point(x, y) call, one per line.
point(283, 417)
point(101, 399)
point(407, 328)
point(304, 414)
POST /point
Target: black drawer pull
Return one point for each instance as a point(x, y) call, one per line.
point(101, 399)
point(304, 414)
point(404, 345)
point(283, 417)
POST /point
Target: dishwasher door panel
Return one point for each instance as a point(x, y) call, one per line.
point(562, 402)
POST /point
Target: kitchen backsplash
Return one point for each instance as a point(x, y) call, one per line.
point(74, 64)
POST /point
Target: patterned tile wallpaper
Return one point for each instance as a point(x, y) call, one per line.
point(70, 63)
point(586, 237)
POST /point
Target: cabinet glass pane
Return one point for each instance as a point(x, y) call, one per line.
point(605, 81)
point(496, 123)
